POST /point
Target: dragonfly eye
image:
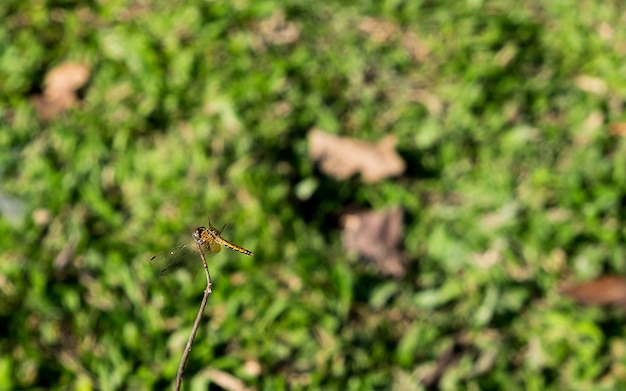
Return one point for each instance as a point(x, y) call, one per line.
point(197, 234)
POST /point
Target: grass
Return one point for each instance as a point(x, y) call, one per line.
point(514, 184)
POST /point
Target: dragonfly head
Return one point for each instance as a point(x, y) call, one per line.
point(197, 235)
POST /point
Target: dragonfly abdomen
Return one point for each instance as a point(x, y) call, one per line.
point(231, 246)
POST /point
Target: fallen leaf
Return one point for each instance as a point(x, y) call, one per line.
point(605, 31)
point(414, 46)
point(618, 129)
point(377, 236)
point(433, 104)
point(224, 379)
point(378, 30)
point(275, 30)
point(342, 157)
point(604, 290)
point(590, 128)
point(591, 84)
point(60, 86)
point(64, 258)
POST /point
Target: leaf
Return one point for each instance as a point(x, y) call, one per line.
point(61, 84)
point(618, 129)
point(277, 31)
point(592, 85)
point(377, 236)
point(605, 290)
point(342, 157)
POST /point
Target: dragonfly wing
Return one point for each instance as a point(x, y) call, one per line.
point(183, 256)
point(174, 259)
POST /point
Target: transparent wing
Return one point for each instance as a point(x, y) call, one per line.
point(183, 256)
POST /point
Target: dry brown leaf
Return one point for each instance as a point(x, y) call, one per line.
point(61, 84)
point(618, 129)
point(377, 236)
point(604, 290)
point(381, 32)
point(64, 258)
point(590, 128)
point(225, 380)
point(414, 46)
point(433, 104)
point(277, 31)
point(605, 31)
point(342, 157)
point(378, 30)
point(593, 85)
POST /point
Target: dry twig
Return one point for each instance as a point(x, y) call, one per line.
point(196, 324)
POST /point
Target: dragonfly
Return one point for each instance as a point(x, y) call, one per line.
point(209, 239)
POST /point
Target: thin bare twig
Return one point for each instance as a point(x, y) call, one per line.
point(196, 324)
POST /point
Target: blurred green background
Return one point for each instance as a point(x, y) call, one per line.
point(508, 114)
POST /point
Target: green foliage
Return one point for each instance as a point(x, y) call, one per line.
point(194, 109)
